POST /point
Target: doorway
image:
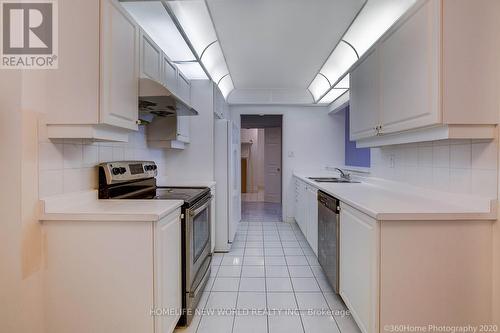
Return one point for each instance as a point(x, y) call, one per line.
point(261, 168)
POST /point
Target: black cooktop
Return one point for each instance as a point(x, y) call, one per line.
point(189, 194)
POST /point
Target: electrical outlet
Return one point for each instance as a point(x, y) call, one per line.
point(291, 154)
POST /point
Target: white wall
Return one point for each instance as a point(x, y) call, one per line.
point(196, 162)
point(312, 139)
point(459, 166)
point(21, 260)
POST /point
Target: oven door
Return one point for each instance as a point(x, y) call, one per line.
point(197, 245)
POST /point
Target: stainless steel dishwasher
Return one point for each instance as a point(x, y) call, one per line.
point(328, 237)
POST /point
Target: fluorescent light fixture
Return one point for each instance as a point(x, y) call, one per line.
point(196, 22)
point(318, 87)
point(376, 17)
point(372, 22)
point(155, 21)
point(226, 86)
point(192, 70)
point(332, 95)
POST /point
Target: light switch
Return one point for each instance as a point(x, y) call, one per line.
point(291, 154)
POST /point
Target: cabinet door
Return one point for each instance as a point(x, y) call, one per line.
point(409, 59)
point(359, 266)
point(364, 111)
point(169, 74)
point(312, 221)
point(167, 256)
point(184, 88)
point(151, 59)
point(183, 128)
point(119, 67)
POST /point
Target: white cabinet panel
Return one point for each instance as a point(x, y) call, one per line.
point(119, 67)
point(359, 266)
point(364, 98)
point(167, 256)
point(184, 88)
point(169, 74)
point(409, 60)
point(151, 59)
point(183, 128)
point(312, 218)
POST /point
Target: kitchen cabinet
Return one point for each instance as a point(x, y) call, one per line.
point(168, 275)
point(358, 266)
point(312, 217)
point(94, 92)
point(415, 83)
point(383, 262)
point(169, 132)
point(364, 98)
point(169, 71)
point(151, 59)
point(112, 276)
point(184, 88)
point(306, 212)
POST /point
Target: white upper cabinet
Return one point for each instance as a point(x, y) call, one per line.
point(365, 112)
point(184, 88)
point(169, 71)
point(409, 63)
point(94, 92)
point(151, 59)
point(119, 67)
point(430, 77)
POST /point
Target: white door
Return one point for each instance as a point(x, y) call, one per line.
point(272, 164)
point(364, 98)
point(409, 75)
point(221, 167)
point(169, 74)
point(119, 67)
point(312, 225)
point(168, 283)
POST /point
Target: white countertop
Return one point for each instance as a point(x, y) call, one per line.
point(85, 206)
point(387, 200)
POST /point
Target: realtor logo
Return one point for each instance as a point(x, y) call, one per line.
point(29, 34)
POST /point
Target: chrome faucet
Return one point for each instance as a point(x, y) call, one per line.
point(343, 174)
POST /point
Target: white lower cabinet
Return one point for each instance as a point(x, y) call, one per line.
point(419, 273)
point(112, 276)
point(306, 212)
point(168, 275)
point(359, 266)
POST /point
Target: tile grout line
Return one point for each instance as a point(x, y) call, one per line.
point(291, 283)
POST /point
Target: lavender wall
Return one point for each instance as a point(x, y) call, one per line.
point(359, 157)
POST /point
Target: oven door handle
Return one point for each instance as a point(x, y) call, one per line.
point(195, 212)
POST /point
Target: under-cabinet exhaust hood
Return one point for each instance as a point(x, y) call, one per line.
point(157, 100)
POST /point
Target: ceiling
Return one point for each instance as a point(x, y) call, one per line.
point(279, 44)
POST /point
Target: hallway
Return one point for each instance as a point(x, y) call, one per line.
point(259, 211)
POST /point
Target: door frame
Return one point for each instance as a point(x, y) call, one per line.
point(277, 123)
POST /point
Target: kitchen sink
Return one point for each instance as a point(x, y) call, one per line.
point(331, 180)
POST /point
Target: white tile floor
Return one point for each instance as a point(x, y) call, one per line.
point(269, 282)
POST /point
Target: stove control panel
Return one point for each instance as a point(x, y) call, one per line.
point(122, 171)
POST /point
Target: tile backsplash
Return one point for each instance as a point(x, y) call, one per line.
point(69, 165)
point(460, 166)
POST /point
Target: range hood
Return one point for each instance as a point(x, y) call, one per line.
point(157, 100)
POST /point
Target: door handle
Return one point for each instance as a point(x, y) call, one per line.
point(278, 169)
